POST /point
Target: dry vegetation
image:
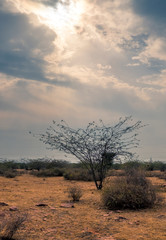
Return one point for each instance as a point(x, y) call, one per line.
point(86, 220)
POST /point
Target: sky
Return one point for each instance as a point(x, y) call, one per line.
point(81, 60)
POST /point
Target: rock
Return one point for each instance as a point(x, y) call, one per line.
point(106, 215)
point(13, 208)
point(3, 204)
point(67, 205)
point(41, 205)
point(118, 211)
point(120, 218)
point(53, 208)
point(137, 222)
point(130, 223)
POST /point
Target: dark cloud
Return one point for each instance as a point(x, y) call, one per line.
point(101, 29)
point(19, 65)
point(23, 46)
point(154, 9)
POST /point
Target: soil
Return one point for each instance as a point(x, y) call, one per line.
point(44, 201)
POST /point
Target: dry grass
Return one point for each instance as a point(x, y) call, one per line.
point(75, 193)
point(87, 220)
point(10, 225)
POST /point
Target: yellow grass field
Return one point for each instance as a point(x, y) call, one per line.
point(87, 220)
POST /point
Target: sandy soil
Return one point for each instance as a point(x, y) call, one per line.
point(87, 220)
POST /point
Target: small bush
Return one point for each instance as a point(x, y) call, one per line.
point(163, 176)
point(133, 191)
point(10, 226)
point(55, 172)
point(78, 174)
point(156, 165)
point(75, 193)
point(113, 172)
point(10, 174)
point(133, 165)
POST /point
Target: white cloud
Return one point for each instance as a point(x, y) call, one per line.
point(155, 81)
point(133, 64)
point(155, 49)
point(103, 67)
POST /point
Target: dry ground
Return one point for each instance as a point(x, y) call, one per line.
point(87, 220)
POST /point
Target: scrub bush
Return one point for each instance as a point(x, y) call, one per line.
point(10, 226)
point(132, 191)
point(78, 174)
point(75, 193)
point(54, 172)
point(10, 174)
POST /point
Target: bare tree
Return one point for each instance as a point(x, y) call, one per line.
point(97, 145)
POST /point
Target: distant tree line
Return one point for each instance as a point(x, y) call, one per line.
point(42, 163)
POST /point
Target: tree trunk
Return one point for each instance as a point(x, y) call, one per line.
point(94, 177)
point(100, 185)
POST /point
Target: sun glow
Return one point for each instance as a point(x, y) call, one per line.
point(63, 17)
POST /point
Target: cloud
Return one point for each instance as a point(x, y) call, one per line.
point(48, 2)
point(156, 81)
point(153, 16)
point(103, 67)
point(21, 51)
point(23, 102)
point(103, 60)
point(151, 9)
point(133, 64)
point(155, 49)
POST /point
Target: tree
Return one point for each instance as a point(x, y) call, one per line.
point(97, 145)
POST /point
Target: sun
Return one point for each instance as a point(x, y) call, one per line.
point(63, 17)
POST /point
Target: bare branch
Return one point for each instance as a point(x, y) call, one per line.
point(97, 145)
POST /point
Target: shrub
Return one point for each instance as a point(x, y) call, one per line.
point(156, 165)
point(41, 163)
point(78, 174)
point(75, 193)
point(55, 172)
point(163, 176)
point(135, 164)
point(10, 226)
point(116, 166)
point(113, 172)
point(10, 174)
point(133, 191)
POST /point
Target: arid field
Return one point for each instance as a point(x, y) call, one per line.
point(86, 220)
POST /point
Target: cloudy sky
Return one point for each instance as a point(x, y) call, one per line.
point(81, 60)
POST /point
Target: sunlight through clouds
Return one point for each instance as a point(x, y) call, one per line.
point(82, 59)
